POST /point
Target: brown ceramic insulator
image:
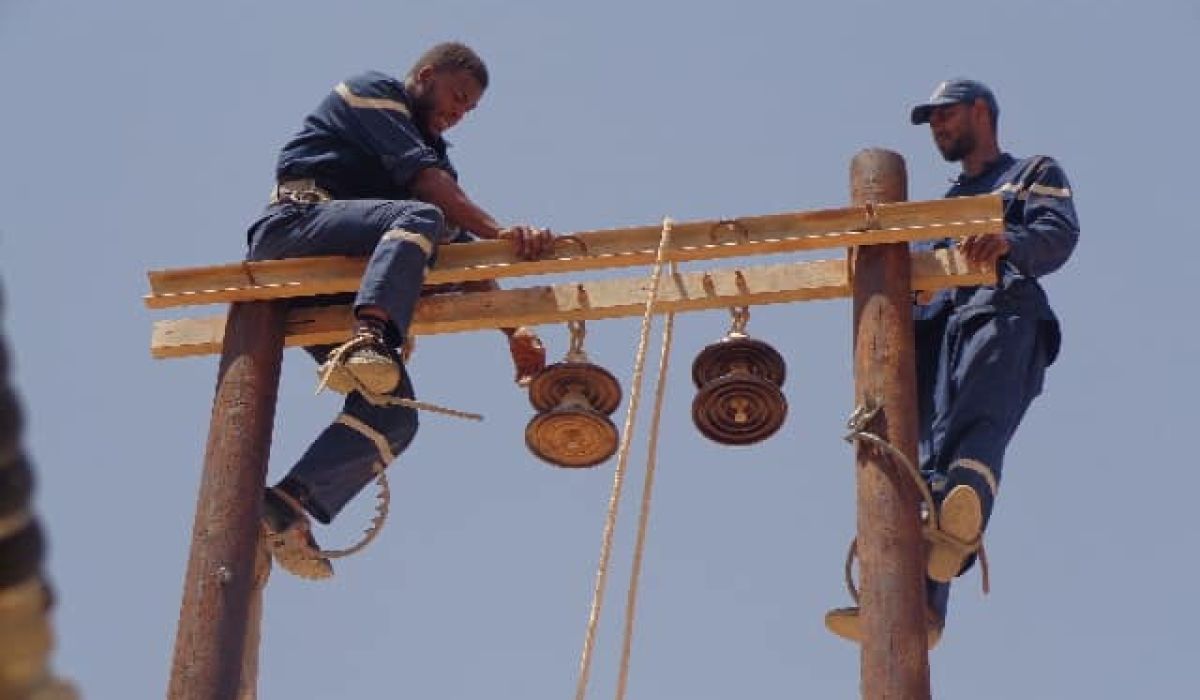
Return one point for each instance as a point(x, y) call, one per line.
point(599, 388)
point(572, 436)
point(738, 353)
point(739, 409)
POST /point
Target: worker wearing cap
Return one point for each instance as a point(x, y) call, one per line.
point(368, 175)
point(981, 351)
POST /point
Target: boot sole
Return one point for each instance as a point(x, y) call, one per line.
point(292, 551)
point(960, 517)
point(845, 623)
point(376, 377)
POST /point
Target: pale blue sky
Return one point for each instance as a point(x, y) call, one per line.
point(140, 135)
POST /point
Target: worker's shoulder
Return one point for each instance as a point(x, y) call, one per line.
point(1037, 165)
point(373, 83)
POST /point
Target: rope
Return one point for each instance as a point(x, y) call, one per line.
point(857, 423)
point(382, 508)
point(384, 400)
point(647, 491)
point(585, 661)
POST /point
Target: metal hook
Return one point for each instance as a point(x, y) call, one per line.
point(743, 233)
point(578, 331)
point(740, 279)
point(741, 318)
point(872, 217)
point(572, 239)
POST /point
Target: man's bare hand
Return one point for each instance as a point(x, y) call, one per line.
point(984, 248)
point(528, 354)
point(530, 243)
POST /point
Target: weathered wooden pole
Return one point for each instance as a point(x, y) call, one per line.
point(262, 571)
point(219, 585)
point(895, 661)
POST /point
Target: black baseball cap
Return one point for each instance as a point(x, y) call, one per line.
point(955, 91)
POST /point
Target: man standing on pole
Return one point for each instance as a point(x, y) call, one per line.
point(368, 175)
point(981, 351)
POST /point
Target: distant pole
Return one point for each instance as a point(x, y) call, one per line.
point(26, 632)
point(220, 580)
point(895, 661)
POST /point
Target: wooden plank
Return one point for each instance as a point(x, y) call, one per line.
point(626, 247)
point(453, 313)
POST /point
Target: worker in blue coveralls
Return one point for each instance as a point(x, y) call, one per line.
point(982, 351)
point(368, 175)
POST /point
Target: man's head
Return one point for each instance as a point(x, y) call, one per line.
point(962, 115)
point(445, 83)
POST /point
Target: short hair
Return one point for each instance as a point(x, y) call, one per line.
point(993, 111)
point(453, 55)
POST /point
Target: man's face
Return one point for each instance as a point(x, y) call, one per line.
point(443, 98)
point(953, 130)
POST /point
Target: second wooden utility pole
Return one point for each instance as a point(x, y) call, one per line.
point(895, 660)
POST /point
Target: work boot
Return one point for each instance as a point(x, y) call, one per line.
point(960, 530)
point(289, 537)
point(845, 623)
point(365, 362)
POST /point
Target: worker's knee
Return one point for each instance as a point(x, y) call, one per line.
point(420, 217)
point(401, 428)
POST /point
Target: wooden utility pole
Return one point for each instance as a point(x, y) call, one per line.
point(895, 661)
point(220, 581)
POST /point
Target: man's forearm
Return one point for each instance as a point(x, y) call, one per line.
point(435, 186)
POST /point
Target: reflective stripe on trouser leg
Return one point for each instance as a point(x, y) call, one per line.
point(990, 367)
point(978, 476)
point(416, 239)
point(396, 269)
point(343, 459)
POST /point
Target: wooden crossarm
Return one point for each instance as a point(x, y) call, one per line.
point(615, 298)
point(612, 248)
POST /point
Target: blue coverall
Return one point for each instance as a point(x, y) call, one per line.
point(982, 351)
point(362, 147)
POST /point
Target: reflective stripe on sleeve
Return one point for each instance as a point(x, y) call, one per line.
point(1046, 190)
point(353, 100)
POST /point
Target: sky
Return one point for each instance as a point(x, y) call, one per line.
point(142, 135)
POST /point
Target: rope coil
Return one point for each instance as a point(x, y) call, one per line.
point(856, 424)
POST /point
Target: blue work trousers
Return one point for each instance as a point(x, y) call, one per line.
point(978, 369)
point(400, 238)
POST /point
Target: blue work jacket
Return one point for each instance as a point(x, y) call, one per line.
point(363, 142)
point(1042, 229)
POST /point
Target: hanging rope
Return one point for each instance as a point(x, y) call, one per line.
point(639, 548)
point(585, 660)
